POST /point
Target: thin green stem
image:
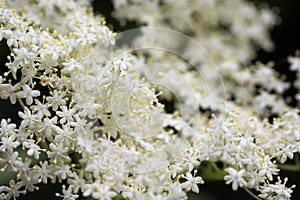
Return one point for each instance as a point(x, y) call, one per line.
point(289, 167)
point(21, 103)
point(212, 172)
point(216, 168)
point(251, 194)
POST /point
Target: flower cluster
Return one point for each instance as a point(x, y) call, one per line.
point(92, 112)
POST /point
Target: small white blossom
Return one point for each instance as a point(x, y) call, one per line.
point(191, 182)
point(123, 62)
point(57, 151)
point(33, 148)
point(236, 178)
point(98, 191)
point(68, 194)
point(28, 118)
point(286, 152)
point(277, 191)
point(56, 99)
point(41, 109)
point(66, 114)
point(72, 65)
point(42, 172)
point(28, 93)
point(8, 143)
point(7, 128)
point(295, 63)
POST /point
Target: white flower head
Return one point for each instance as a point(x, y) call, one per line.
point(236, 178)
point(192, 182)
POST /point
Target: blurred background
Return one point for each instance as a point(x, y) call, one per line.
point(286, 37)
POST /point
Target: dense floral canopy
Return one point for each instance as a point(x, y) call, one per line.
point(94, 102)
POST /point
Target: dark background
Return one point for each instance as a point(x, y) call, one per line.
point(286, 37)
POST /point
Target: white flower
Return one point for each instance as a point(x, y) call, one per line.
point(56, 99)
point(123, 62)
point(10, 160)
point(295, 63)
point(65, 135)
point(3, 89)
point(33, 149)
point(8, 143)
point(28, 93)
point(62, 171)
point(72, 65)
point(68, 194)
point(47, 62)
point(98, 191)
point(42, 172)
point(236, 178)
point(176, 169)
point(277, 191)
point(192, 182)
point(285, 152)
point(23, 56)
point(175, 192)
point(268, 169)
point(6, 128)
point(41, 109)
point(13, 37)
point(14, 190)
point(57, 152)
point(66, 114)
point(28, 118)
point(76, 180)
point(191, 159)
point(12, 92)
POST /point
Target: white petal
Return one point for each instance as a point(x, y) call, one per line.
point(195, 188)
point(189, 176)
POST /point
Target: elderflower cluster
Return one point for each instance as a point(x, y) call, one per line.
point(92, 101)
